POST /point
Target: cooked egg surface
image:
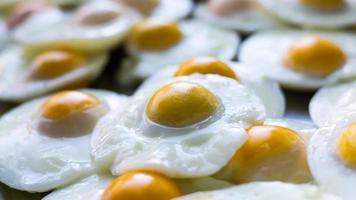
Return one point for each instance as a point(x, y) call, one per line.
point(314, 13)
point(44, 72)
point(332, 103)
point(267, 90)
point(301, 60)
point(197, 39)
point(190, 127)
point(95, 26)
point(264, 191)
point(45, 143)
point(331, 157)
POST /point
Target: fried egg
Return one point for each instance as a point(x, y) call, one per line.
point(302, 60)
point(95, 26)
point(332, 103)
point(156, 44)
point(265, 88)
point(190, 127)
point(45, 143)
point(331, 157)
point(242, 15)
point(314, 13)
point(24, 76)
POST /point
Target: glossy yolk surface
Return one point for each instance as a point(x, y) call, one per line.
point(155, 35)
point(63, 104)
point(315, 56)
point(96, 16)
point(146, 7)
point(346, 146)
point(55, 63)
point(227, 7)
point(181, 104)
point(205, 65)
point(142, 186)
point(271, 153)
point(324, 4)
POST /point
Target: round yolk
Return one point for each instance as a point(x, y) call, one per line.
point(271, 153)
point(205, 65)
point(324, 4)
point(315, 56)
point(146, 7)
point(181, 104)
point(153, 35)
point(53, 64)
point(92, 17)
point(64, 104)
point(227, 7)
point(346, 146)
point(142, 186)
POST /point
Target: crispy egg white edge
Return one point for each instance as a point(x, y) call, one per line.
point(173, 10)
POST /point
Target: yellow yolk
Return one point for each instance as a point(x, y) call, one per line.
point(315, 56)
point(181, 104)
point(205, 65)
point(63, 104)
point(227, 7)
point(154, 35)
point(324, 4)
point(146, 7)
point(97, 16)
point(53, 64)
point(346, 146)
point(142, 186)
point(271, 153)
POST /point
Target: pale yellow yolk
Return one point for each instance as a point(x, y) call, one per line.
point(53, 64)
point(271, 153)
point(95, 16)
point(181, 104)
point(346, 146)
point(324, 4)
point(205, 65)
point(64, 104)
point(315, 56)
point(154, 35)
point(146, 7)
point(227, 7)
point(142, 186)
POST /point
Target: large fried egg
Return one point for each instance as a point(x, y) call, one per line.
point(156, 44)
point(242, 15)
point(303, 60)
point(332, 103)
point(331, 157)
point(97, 25)
point(266, 89)
point(45, 143)
point(314, 13)
point(190, 127)
point(24, 76)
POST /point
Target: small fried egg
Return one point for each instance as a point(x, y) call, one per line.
point(242, 15)
point(95, 26)
point(190, 127)
point(265, 88)
point(301, 60)
point(45, 143)
point(156, 44)
point(314, 13)
point(41, 73)
point(331, 157)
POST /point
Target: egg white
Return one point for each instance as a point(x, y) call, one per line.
point(200, 39)
point(293, 12)
point(125, 141)
point(172, 9)
point(264, 52)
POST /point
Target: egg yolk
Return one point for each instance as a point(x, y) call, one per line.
point(324, 4)
point(95, 16)
point(227, 7)
point(346, 146)
point(181, 104)
point(146, 7)
point(154, 35)
point(142, 186)
point(271, 153)
point(205, 65)
point(64, 104)
point(56, 63)
point(315, 56)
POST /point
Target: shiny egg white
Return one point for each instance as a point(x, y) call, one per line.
point(264, 52)
point(32, 161)
point(126, 141)
point(172, 9)
point(14, 73)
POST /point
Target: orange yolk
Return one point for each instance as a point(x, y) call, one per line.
point(346, 146)
point(324, 4)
